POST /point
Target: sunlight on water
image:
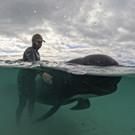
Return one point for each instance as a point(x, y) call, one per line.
point(72, 68)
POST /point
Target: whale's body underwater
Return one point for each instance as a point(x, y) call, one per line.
point(68, 88)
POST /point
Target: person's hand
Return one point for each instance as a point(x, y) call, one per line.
point(47, 78)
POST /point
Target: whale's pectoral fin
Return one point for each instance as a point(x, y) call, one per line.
point(48, 114)
point(82, 104)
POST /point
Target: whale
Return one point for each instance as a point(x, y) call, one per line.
point(68, 88)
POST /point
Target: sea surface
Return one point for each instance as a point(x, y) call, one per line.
point(112, 114)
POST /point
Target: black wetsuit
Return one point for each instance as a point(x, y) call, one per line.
point(26, 83)
point(31, 55)
point(26, 77)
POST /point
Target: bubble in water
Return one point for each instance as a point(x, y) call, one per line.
point(35, 11)
point(57, 7)
point(65, 16)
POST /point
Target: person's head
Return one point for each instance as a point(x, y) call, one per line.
point(37, 41)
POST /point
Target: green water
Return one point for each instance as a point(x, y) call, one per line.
point(112, 114)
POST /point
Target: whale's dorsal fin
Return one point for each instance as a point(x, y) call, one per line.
point(48, 114)
point(82, 104)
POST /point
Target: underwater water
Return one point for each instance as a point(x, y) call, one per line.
point(108, 115)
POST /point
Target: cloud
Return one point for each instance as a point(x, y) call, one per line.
point(84, 26)
point(71, 47)
point(9, 51)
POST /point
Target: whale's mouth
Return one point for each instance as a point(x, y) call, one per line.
point(109, 89)
point(83, 96)
point(86, 90)
point(98, 92)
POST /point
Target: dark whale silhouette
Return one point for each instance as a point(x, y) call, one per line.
point(68, 88)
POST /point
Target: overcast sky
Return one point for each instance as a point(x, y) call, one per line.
point(71, 28)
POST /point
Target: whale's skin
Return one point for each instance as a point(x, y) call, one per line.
point(68, 88)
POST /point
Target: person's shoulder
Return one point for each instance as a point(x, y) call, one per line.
point(29, 49)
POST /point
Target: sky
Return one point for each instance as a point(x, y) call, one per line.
point(71, 28)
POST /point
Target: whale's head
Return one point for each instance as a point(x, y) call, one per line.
point(96, 85)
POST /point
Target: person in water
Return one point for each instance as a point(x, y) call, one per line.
point(26, 78)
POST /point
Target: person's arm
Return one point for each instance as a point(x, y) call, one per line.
point(45, 76)
point(29, 56)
